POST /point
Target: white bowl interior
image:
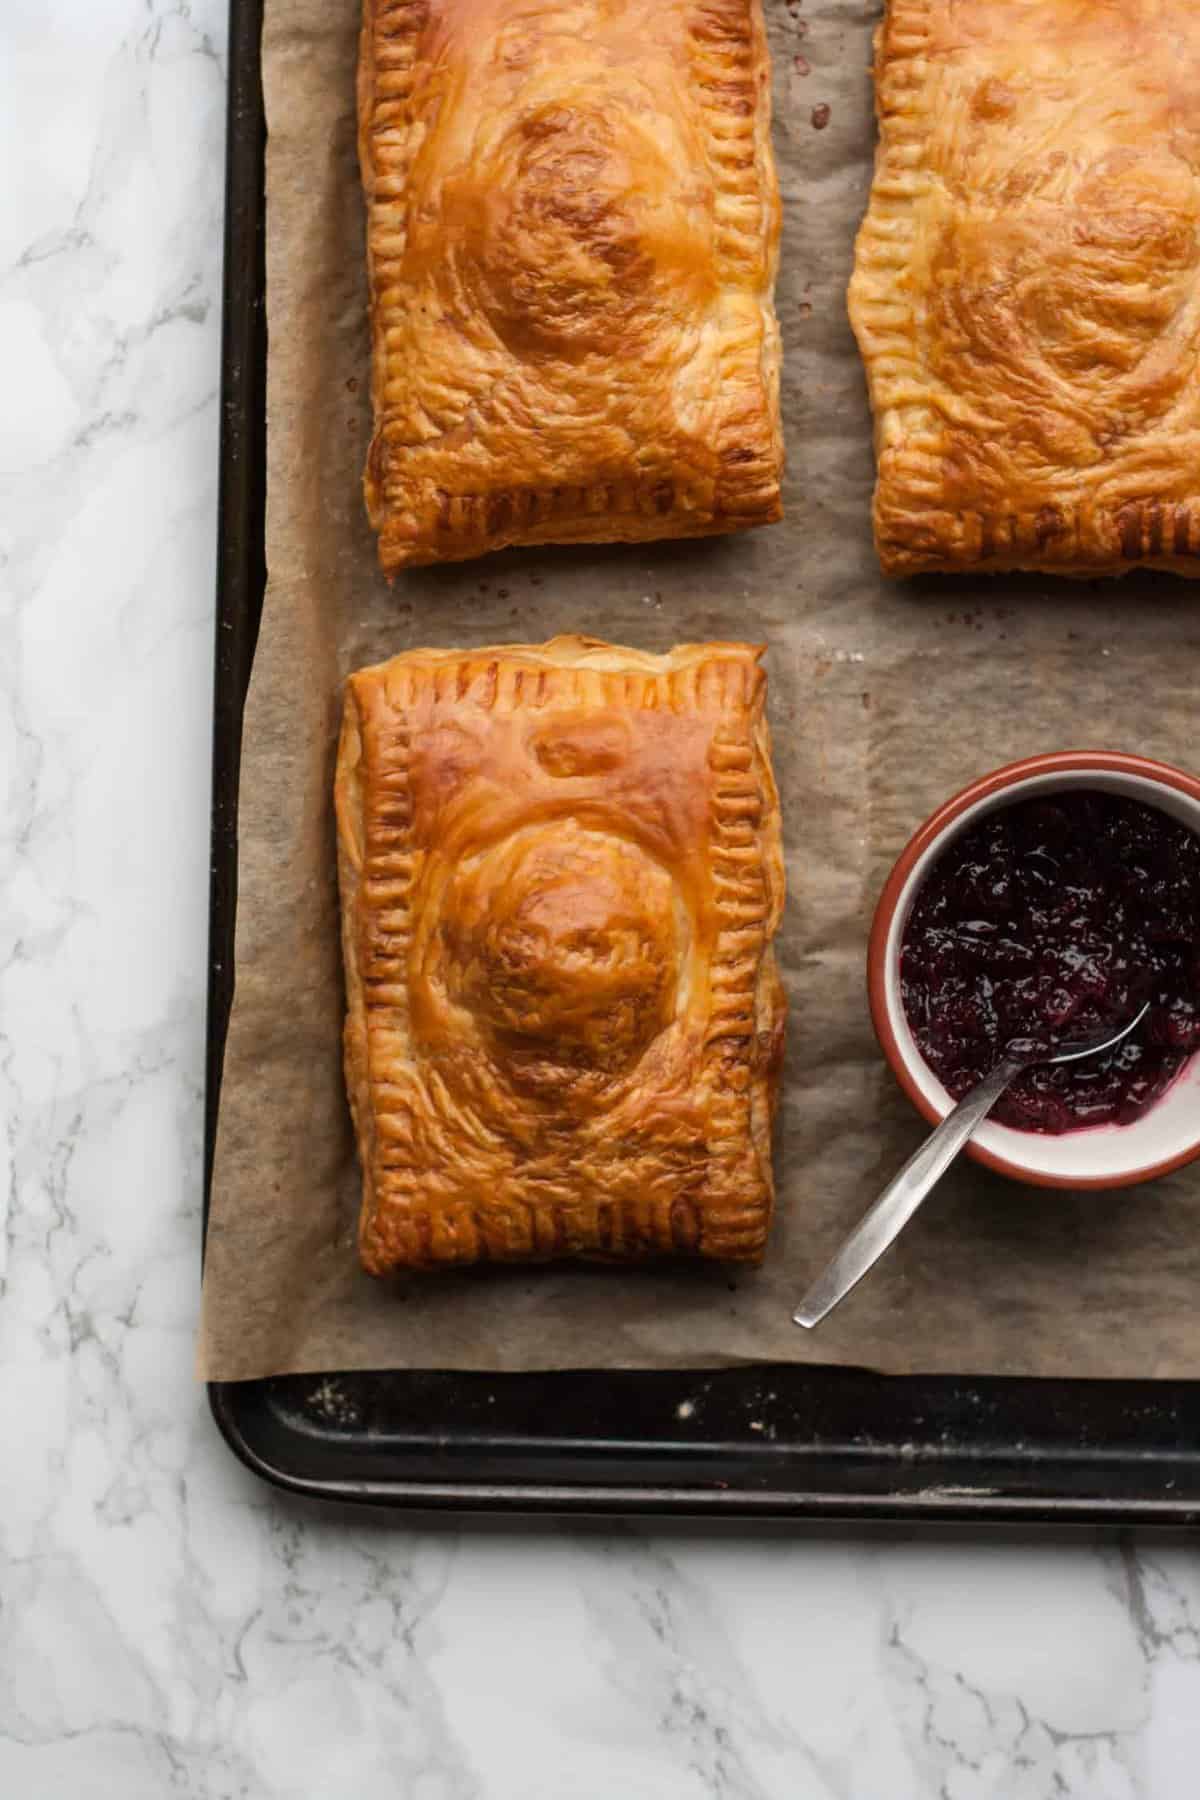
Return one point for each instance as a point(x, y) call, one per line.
point(1105, 1152)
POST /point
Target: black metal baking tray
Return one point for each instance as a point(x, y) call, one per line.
point(763, 1441)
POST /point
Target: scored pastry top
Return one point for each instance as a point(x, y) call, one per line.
point(561, 874)
point(1026, 291)
point(572, 234)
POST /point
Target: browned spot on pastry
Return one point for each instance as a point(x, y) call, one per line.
point(499, 513)
point(561, 943)
point(1154, 531)
point(450, 754)
point(738, 96)
point(821, 116)
point(1048, 524)
point(685, 1226)
point(577, 745)
point(560, 259)
point(993, 99)
point(1129, 527)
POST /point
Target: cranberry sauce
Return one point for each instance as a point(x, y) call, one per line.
point(1049, 921)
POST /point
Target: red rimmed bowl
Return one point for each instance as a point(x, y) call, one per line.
point(1166, 1136)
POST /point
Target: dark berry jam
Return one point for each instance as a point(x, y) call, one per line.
point(1050, 921)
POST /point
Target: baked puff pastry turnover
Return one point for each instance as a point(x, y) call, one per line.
point(561, 874)
point(572, 221)
point(1027, 285)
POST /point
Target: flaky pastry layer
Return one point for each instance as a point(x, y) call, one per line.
point(572, 229)
point(1026, 291)
point(561, 874)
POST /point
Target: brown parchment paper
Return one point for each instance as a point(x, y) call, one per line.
point(884, 699)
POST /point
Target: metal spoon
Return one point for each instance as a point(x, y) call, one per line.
point(880, 1227)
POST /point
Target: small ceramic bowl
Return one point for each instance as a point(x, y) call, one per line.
point(1168, 1134)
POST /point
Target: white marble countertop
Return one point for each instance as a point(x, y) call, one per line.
point(167, 1625)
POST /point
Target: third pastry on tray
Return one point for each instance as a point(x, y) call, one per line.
point(561, 874)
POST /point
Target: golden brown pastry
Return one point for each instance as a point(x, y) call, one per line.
point(572, 231)
point(561, 873)
point(1027, 285)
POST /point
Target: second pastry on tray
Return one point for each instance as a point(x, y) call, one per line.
point(1026, 291)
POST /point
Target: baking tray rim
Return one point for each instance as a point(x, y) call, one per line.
point(241, 576)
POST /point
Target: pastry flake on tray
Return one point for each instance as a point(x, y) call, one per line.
point(561, 874)
point(572, 229)
point(1026, 292)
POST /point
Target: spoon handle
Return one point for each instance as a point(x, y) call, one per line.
point(882, 1225)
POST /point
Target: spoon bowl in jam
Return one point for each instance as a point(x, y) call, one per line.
point(1044, 906)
